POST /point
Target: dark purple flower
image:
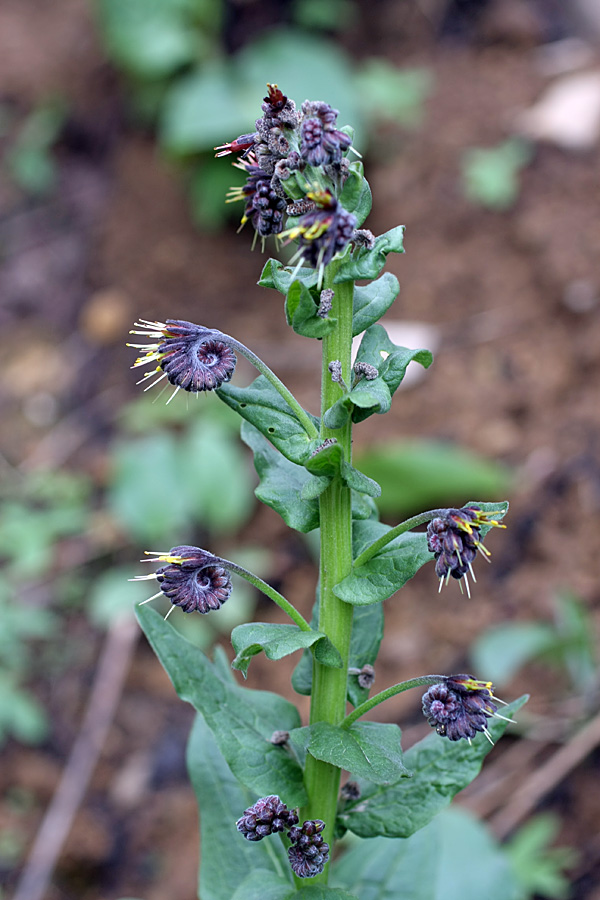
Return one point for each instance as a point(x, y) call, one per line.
point(191, 578)
point(309, 853)
point(459, 707)
point(243, 143)
point(268, 816)
point(264, 207)
point(321, 144)
point(190, 356)
point(324, 231)
point(455, 537)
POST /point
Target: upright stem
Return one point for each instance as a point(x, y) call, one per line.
point(328, 703)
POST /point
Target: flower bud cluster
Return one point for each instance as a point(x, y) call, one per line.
point(459, 707)
point(268, 816)
point(455, 537)
point(309, 853)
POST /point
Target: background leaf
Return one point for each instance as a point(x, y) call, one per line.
point(226, 856)
point(241, 720)
point(441, 768)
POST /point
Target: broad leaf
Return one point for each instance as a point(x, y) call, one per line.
point(326, 460)
point(367, 749)
point(358, 481)
point(452, 858)
point(241, 720)
point(356, 194)
point(265, 885)
point(383, 575)
point(278, 641)
point(262, 406)
point(441, 768)
point(222, 800)
point(279, 277)
point(372, 301)
point(368, 264)
point(301, 313)
point(282, 483)
point(367, 634)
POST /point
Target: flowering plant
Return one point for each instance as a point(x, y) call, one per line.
point(268, 786)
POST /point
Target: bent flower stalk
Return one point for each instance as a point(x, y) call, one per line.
point(258, 770)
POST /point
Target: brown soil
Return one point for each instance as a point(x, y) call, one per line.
point(516, 379)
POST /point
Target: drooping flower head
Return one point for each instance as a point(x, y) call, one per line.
point(455, 538)
point(264, 207)
point(309, 853)
point(267, 816)
point(321, 144)
point(191, 578)
point(190, 356)
point(323, 231)
point(459, 706)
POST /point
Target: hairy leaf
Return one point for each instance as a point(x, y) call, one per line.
point(452, 858)
point(265, 885)
point(441, 768)
point(365, 263)
point(241, 720)
point(301, 313)
point(372, 301)
point(356, 194)
point(262, 406)
point(367, 749)
point(222, 800)
point(279, 277)
point(278, 641)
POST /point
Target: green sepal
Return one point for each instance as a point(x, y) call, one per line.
point(277, 641)
point(375, 396)
point(384, 574)
point(356, 195)
point(301, 313)
point(368, 750)
point(368, 264)
point(441, 769)
point(223, 800)
point(262, 406)
point(501, 507)
point(453, 858)
point(358, 481)
point(372, 300)
point(279, 277)
point(367, 634)
point(282, 483)
point(242, 721)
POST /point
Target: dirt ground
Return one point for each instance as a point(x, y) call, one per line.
point(514, 297)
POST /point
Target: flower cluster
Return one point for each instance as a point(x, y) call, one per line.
point(459, 706)
point(309, 853)
point(268, 816)
point(191, 357)
point(455, 538)
point(287, 141)
point(191, 578)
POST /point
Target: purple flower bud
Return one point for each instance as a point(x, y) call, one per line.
point(309, 853)
point(454, 540)
point(264, 207)
point(190, 356)
point(324, 231)
point(192, 579)
point(459, 707)
point(268, 816)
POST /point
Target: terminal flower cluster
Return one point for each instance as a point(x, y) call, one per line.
point(459, 707)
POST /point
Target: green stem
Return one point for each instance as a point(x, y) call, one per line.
point(385, 695)
point(301, 414)
point(329, 686)
point(266, 589)
point(385, 539)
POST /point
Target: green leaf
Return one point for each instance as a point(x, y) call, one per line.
point(441, 769)
point(226, 856)
point(365, 263)
point(367, 749)
point(372, 301)
point(301, 313)
point(282, 483)
point(398, 95)
point(375, 396)
point(358, 481)
point(278, 641)
point(264, 885)
point(453, 858)
point(383, 575)
point(367, 634)
point(279, 277)
point(313, 489)
point(356, 194)
point(241, 720)
point(262, 406)
point(326, 460)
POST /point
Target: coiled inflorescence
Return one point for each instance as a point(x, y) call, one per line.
point(455, 537)
point(191, 357)
point(191, 578)
point(268, 816)
point(459, 707)
point(309, 853)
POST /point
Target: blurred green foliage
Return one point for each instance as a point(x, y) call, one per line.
point(539, 868)
point(28, 157)
point(491, 176)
